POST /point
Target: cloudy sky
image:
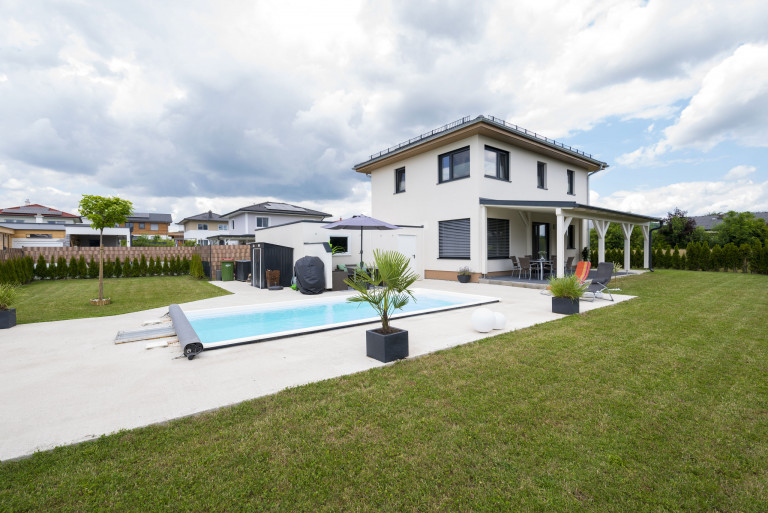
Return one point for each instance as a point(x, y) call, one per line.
point(186, 106)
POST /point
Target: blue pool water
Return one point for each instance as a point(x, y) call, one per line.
point(227, 326)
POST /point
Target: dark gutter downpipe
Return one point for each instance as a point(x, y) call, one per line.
point(650, 245)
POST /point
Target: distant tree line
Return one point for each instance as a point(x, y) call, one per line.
point(737, 228)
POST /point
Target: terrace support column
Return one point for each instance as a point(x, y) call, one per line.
point(646, 246)
point(526, 217)
point(627, 229)
point(601, 227)
point(483, 241)
point(562, 232)
point(584, 236)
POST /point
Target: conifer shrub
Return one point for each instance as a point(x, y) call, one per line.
point(41, 268)
point(62, 270)
point(166, 266)
point(185, 265)
point(82, 268)
point(143, 268)
point(117, 268)
point(135, 268)
point(93, 268)
point(72, 268)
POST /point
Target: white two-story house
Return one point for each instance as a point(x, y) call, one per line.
point(245, 221)
point(485, 190)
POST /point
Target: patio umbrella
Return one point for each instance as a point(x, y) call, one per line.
point(362, 222)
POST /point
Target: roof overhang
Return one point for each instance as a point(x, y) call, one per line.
point(492, 129)
point(572, 208)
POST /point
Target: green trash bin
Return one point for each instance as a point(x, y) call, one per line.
point(227, 270)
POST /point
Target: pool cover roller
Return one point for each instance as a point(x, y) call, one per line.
point(188, 339)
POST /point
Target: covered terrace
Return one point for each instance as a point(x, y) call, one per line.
point(559, 228)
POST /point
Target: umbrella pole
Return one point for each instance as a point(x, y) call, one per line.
point(361, 248)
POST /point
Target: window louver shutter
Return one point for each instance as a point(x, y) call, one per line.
point(454, 238)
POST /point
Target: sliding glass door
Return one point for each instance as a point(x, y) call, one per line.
point(540, 240)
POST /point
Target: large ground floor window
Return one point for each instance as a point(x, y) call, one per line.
point(498, 238)
point(454, 239)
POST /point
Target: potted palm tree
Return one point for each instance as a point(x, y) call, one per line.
point(7, 299)
point(566, 292)
point(386, 290)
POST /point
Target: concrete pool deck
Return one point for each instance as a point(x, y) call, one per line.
point(65, 382)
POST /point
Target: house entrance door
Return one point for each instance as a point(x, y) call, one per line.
point(540, 240)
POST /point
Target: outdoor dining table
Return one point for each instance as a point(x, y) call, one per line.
point(541, 263)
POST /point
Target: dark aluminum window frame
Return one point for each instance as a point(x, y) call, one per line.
point(454, 241)
point(541, 175)
point(571, 175)
point(498, 238)
point(399, 173)
point(502, 164)
point(571, 239)
point(451, 155)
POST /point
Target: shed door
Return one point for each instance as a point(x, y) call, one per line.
point(406, 244)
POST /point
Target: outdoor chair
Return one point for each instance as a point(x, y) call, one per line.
point(569, 265)
point(582, 270)
point(599, 284)
point(525, 266)
point(515, 265)
point(551, 267)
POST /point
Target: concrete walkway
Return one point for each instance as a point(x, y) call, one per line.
point(65, 382)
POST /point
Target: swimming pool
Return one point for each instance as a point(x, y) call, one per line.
point(221, 327)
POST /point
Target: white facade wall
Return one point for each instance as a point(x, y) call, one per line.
point(306, 237)
point(426, 201)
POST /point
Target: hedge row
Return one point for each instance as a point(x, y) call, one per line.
point(77, 268)
point(699, 256)
point(17, 271)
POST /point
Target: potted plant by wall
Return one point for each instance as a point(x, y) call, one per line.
point(7, 298)
point(465, 273)
point(566, 292)
point(387, 343)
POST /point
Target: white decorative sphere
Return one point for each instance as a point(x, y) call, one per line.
point(501, 321)
point(483, 320)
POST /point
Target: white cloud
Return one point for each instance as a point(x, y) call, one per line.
point(697, 198)
point(740, 172)
point(732, 104)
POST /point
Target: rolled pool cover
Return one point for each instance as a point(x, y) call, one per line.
point(188, 339)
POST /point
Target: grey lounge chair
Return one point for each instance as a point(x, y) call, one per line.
point(515, 266)
point(599, 284)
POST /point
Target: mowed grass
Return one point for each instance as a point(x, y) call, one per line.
point(656, 404)
point(57, 300)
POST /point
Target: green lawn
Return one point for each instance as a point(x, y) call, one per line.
point(656, 404)
point(56, 300)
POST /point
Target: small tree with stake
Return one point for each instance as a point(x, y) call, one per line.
point(104, 212)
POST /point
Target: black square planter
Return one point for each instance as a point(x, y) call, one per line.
point(386, 348)
point(7, 318)
point(564, 305)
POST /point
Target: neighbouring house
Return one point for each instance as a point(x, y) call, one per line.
point(244, 222)
point(485, 190)
point(200, 227)
point(709, 222)
point(148, 224)
point(34, 225)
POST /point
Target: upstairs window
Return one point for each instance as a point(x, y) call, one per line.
point(202, 226)
point(571, 182)
point(154, 227)
point(262, 222)
point(496, 163)
point(141, 226)
point(498, 238)
point(129, 225)
point(222, 227)
point(541, 175)
point(399, 180)
point(453, 165)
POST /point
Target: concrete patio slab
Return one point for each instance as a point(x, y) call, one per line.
point(65, 382)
